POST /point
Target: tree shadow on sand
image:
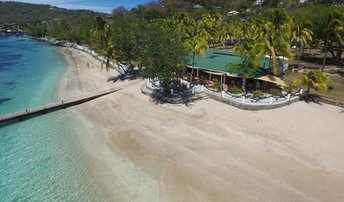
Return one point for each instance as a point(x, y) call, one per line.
point(318, 99)
point(184, 97)
point(128, 75)
point(312, 98)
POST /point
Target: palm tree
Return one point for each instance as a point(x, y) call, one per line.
point(272, 44)
point(102, 36)
point(315, 79)
point(246, 69)
point(193, 35)
point(301, 33)
point(279, 19)
point(274, 38)
point(244, 30)
point(198, 45)
point(212, 24)
point(334, 26)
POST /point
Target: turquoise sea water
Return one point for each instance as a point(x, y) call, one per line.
point(40, 158)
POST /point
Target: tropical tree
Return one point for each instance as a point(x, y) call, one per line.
point(248, 29)
point(193, 35)
point(246, 69)
point(273, 39)
point(234, 30)
point(279, 19)
point(334, 26)
point(272, 44)
point(315, 79)
point(198, 45)
point(127, 40)
point(228, 33)
point(165, 57)
point(301, 33)
point(102, 37)
point(212, 24)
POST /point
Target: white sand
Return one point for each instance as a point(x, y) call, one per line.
point(209, 151)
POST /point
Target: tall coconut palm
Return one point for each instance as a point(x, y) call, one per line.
point(273, 44)
point(279, 19)
point(246, 30)
point(246, 69)
point(193, 35)
point(198, 45)
point(301, 33)
point(315, 79)
point(334, 26)
point(212, 24)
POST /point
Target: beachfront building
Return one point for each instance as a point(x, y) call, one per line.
point(264, 91)
point(218, 62)
point(212, 77)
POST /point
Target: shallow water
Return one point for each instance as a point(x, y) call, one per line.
point(40, 158)
point(29, 73)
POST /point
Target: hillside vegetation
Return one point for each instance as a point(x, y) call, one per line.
point(25, 13)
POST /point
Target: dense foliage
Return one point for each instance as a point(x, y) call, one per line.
point(25, 14)
point(161, 35)
point(165, 57)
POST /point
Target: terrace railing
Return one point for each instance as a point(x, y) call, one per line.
point(248, 102)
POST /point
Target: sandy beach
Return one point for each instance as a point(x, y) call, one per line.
point(208, 151)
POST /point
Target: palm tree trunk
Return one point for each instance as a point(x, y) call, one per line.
point(193, 66)
point(307, 94)
point(244, 84)
point(107, 64)
point(269, 68)
point(326, 45)
point(339, 55)
point(298, 57)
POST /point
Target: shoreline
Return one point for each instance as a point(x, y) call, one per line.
point(209, 151)
point(71, 86)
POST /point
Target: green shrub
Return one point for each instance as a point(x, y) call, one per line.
point(257, 94)
point(217, 86)
point(288, 70)
point(275, 92)
point(183, 86)
point(289, 88)
point(203, 82)
point(235, 90)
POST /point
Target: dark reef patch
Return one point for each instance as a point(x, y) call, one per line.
point(9, 83)
point(4, 100)
point(4, 69)
point(10, 57)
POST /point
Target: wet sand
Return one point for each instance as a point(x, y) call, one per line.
point(209, 151)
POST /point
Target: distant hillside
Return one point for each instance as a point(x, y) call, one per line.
point(25, 13)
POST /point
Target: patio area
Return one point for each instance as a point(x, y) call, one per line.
point(249, 102)
point(243, 101)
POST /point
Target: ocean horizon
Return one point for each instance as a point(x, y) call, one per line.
point(41, 158)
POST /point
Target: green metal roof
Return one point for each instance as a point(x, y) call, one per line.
point(218, 60)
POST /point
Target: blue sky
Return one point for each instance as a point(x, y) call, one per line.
point(96, 5)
